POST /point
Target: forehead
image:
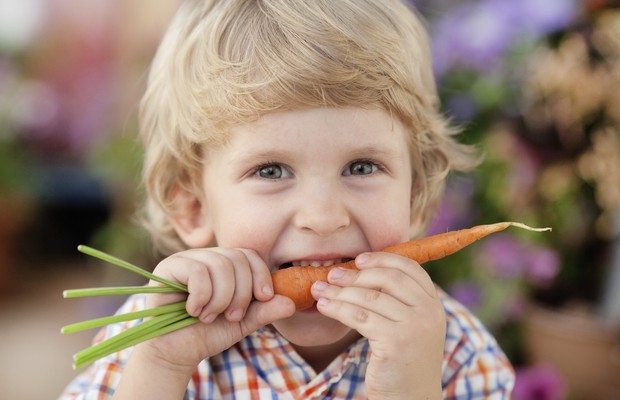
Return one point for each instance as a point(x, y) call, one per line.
point(347, 126)
point(312, 136)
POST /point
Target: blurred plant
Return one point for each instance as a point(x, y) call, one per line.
point(13, 161)
point(480, 46)
point(70, 77)
point(535, 86)
point(539, 382)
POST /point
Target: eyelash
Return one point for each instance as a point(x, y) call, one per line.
point(256, 170)
point(379, 166)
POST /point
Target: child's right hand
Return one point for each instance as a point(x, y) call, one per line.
point(230, 290)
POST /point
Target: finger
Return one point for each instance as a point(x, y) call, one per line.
point(407, 266)
point(222, 275)
point(186, 271)
point(252, 276)
point(262, 313)
point(242, 293)
point(391, 281)
point(230, 281)
point(366, 322)
point(262, 285)
point(370, 299)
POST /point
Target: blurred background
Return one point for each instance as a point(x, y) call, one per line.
point(534, 84)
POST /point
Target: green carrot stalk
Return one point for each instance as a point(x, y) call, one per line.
point(117, 342)
point(98, 322)
point(118, 290)
point(164, 319)
point(129, 266)
point(132, 336)
point(82, 361)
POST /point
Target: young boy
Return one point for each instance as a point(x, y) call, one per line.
point(279, 133)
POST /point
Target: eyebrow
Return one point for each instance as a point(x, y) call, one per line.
point(261, 155)
point(269, 154)
point(381, 151)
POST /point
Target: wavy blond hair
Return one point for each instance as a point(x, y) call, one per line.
point(227, 62)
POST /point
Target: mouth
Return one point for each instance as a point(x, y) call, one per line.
point(314, 263)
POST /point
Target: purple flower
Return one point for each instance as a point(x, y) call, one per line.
point(537, 18)
point(539, 382)
point(543, 265)
point(508, 258)
point(504, 256)
point(472, 37)
point(477, 35)
point(468, 293)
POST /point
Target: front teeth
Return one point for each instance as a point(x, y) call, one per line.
point(306, 263)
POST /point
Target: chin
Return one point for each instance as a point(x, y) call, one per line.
point(309, 329)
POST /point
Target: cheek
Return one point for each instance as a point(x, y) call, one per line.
point(386, 235)
point(390, 225)
point(243, 228)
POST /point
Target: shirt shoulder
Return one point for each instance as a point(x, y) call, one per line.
point(474, 367)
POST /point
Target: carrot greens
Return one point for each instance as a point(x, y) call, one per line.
point(161, 320)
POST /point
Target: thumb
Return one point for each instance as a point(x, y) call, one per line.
point(261, 313)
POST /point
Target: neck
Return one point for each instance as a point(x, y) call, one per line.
point(319, 357)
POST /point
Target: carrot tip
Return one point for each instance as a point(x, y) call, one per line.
point(529, 228)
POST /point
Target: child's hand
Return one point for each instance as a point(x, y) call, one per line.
point(222, 284)
point(392, 302)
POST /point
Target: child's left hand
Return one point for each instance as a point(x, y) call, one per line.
point(392, 302)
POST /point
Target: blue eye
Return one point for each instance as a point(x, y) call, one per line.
point(361, 168)
point(271, 171)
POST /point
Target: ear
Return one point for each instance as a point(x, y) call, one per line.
point(189, 220)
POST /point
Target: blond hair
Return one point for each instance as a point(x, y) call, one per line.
point(227, 62)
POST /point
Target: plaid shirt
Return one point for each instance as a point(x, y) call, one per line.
point(264, 365)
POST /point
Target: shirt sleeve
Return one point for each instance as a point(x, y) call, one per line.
point(474, 365)
point(100, 379)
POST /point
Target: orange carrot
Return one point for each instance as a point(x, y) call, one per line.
point(295, 282)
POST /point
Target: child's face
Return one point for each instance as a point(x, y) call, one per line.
point(313, 186)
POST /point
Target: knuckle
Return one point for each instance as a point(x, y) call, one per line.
point(238, 257)
point(371, 296)
point(194, 267)
point(248, 253)
point(164, 264)
point(223, 260)
point(361, 316)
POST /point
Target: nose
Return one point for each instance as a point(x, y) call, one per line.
point(322, 210)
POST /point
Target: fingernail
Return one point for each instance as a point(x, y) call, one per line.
point(322, 301)
point(319, 285)
point(267, 290)
point(336, 273)
point(362, 258)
